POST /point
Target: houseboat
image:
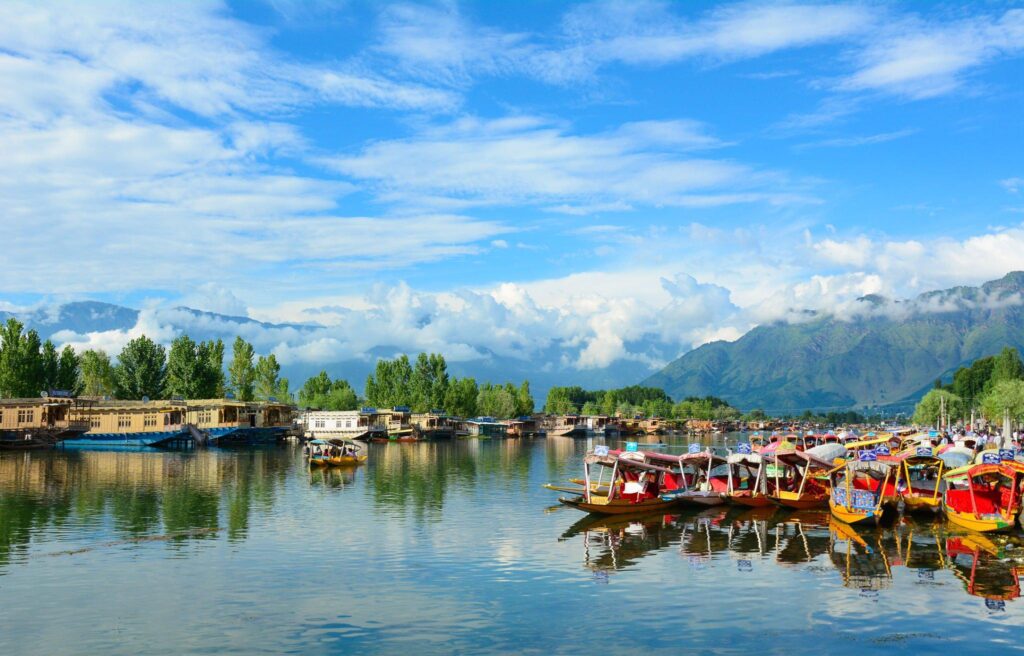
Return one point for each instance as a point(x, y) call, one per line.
point(433, 425)
point(224, 422)
point(485, 427)
point(131, 423)
point(40, 422)
point(391, 424)
point(340, 424)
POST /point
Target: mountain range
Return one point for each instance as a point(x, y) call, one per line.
point(875, 353)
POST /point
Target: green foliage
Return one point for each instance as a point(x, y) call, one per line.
point(927, 411)
point(241, 372)
point(461, 397)
point(524, 400)
point(22, 371)
point(195, 370)
point(707, 408)
point(96, 374)
point(67, 371)
point(211, 356)
point(1007, 366)
point(267, 372)
point(429, 382)
point(1005, 395)
point(324, 394)
point(496, 401)
point(50, 366)
point(391, 383)
point(970, 383)
point(141, 370)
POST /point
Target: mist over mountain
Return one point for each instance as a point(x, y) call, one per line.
point(93, 324)
point(869, 353)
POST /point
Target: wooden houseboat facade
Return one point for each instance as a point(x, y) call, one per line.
point(39, 422)
point(222, 422)
point(131, 423)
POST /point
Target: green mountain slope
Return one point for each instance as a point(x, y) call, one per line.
point(889, 354)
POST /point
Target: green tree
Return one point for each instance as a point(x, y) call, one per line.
point(283, 393)
point(267, 372)
point(391, 383)
point(67, 371)
point(211, 356)
point(1004, 395)
point(560, 401)
point(970, 383)
point(1007, 366)
point(241, 371)
point(96, 374)
point(321, 392)
point(22, 371)
point(496, 401)
point(429, 382)
point(50, 366)
point(524, 400)
point(461, 397)
point(141, 369)
point(590, 408)
point(184, 369)
point(928, 409)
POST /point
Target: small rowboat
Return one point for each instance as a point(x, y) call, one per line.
point(623, 482)
point(335, 453)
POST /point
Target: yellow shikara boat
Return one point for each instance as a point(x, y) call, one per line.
point(335, 453)
point(863, 490)
point(984, 497)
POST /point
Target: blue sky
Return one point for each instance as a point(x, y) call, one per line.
point(627, 179)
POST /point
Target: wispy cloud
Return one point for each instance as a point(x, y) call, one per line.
point(862, 140)
point(1012, 185)
point(533, 161)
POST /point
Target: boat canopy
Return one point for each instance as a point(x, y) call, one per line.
point(752, 459)
point(827, 452)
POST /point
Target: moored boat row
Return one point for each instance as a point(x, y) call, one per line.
point(862, 481)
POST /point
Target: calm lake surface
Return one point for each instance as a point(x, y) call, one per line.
point(455, 547)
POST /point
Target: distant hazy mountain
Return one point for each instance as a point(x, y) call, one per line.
point(880, 353)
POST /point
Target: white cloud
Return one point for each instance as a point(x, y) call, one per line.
point(530, 160)
point(920, 60)
point(1012, 185)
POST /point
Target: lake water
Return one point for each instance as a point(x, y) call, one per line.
point(456, 548)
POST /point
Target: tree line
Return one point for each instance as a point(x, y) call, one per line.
point(988, 387)
point(143, 368)
point(422, 386)
point(636, 400)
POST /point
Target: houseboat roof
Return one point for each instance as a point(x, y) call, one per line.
point(124, 404)
point(39, 400)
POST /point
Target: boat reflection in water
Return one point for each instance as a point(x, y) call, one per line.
point(871, 560)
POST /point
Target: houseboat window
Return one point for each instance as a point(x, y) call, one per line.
point(94, 422)
point(1, 416)
point(26, 416)
point(149, 420)
point(124, 421)
point(319, 423)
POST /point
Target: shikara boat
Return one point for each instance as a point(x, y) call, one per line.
point(801, 477)
point(705, 479)
point(623, 482)
point(863, 490)
point(984, 497)
point(919, 480)
point(335, 453)
point(748, 479)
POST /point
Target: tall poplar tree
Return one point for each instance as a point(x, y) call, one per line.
point(241, 372)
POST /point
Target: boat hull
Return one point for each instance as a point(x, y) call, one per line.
point(759, 501)
point(339, 461)
point(980, 524)
point(853, 516)
point(155, 439)
point(796, 502)
point(618, 507)
point(922, 505)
